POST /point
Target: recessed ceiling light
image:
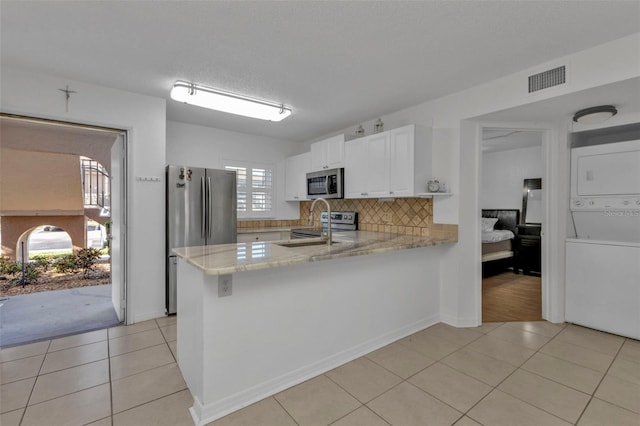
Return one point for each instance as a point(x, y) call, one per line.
point(595, 115)
point(219, 100)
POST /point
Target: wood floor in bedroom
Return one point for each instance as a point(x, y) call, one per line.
point(511, 297)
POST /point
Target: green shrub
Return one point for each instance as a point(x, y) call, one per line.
point(8, 266)
point(31, 273)
point(87, 258)
point(84, 260)
point(67, 263)
point(43, 262)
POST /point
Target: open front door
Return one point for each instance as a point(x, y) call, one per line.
point(118, 226)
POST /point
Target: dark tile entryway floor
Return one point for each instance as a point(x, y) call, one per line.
point(49, 314)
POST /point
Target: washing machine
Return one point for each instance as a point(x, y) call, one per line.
point(603, 260)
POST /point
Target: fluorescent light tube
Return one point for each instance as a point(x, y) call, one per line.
point(219, 100)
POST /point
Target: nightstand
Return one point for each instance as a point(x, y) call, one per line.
point(528, 249)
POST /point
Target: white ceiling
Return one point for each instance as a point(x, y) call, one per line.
point(335, 63)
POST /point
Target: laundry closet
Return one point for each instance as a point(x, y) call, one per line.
point(603, 259)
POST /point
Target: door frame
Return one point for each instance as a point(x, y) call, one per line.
point(543, 137)
point(124, 234)
point(126, 292)
point(550, 288)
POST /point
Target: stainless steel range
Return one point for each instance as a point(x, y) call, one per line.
point(340, 221)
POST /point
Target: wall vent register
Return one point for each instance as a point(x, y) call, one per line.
point(546, 79)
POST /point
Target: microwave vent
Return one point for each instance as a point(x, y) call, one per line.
point(546, 79)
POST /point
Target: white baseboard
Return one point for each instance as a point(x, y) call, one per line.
point(206, 413)
point(459, 322)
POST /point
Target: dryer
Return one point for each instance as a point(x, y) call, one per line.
point(603, 260)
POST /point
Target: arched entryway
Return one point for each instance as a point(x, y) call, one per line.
point(17, 229)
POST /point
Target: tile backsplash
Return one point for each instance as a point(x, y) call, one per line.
point(410, 216)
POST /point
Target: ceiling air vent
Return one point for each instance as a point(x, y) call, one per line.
point(547, 79)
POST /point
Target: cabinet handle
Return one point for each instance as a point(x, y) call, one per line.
point(391, 192)
point(295, 197)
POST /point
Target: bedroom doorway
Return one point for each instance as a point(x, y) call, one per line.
point(511, 200)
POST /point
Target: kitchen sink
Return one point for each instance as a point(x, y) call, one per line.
point(303, 242)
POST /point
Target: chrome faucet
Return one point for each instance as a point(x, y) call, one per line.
point(328, 217)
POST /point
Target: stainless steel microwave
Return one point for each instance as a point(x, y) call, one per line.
point(325, 184)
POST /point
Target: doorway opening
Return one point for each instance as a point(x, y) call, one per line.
point(62, 191)
point(511, 197)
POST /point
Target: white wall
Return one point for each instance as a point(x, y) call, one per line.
point(144, 117)
point(200, 146)
point(457, 161)
point(503, 175)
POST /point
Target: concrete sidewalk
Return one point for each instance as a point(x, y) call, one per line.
point(49, 314)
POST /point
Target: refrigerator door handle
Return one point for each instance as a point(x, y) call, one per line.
point(210, 209)
point(172, 285)
point(203, 212)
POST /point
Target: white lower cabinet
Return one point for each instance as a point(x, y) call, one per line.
point(396, 163)
point(263, 236)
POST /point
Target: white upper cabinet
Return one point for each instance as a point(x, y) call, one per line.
point(410, 160)
point(328, 153)
point(296, 168)
point(396, 163)
point(356, 153)
point(378, 165)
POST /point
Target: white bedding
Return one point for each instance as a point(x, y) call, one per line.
point(497, 236)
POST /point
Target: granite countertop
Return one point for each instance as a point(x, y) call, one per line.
point(230, 258)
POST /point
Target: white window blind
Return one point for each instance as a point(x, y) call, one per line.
point(255, 188)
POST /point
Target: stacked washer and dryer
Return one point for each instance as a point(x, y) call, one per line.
point(603, 260)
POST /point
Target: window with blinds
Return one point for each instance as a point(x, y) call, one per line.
point(255, 189)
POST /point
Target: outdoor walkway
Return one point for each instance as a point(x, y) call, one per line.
point(49, 314)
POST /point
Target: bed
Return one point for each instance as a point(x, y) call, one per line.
point(499, 229)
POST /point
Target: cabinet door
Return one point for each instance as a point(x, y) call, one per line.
point(247, 238)
point(356, 168)
point(328, 154)
point(319, 156)
point(296, 169)
point(335, 152)
point(260, 236)
point(377, 175)
point(401, 161)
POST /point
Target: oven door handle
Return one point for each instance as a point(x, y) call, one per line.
point(326, 185)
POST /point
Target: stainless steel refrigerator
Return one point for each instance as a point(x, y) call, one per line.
point(201, 210)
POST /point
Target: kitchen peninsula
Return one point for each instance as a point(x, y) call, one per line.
point(257, 318)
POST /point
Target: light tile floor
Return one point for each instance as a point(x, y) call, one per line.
point(530, 373)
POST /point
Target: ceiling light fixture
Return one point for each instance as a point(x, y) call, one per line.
point(207, 97)
point(595, 115)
